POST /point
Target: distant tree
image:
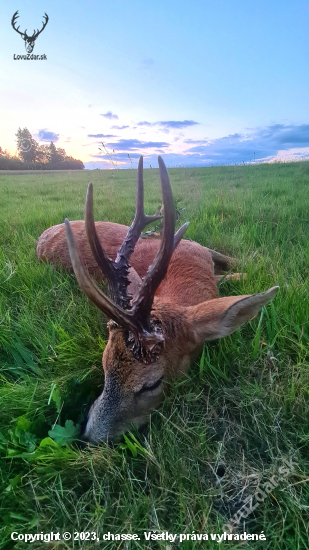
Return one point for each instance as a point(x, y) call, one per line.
point(26, 146)
point(32, 155)
point(42, 154)
point(53, 155)
point(9, 162)
point(61, 153)
point(58, 159)
point(69, 163)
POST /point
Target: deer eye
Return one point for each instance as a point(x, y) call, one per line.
point(154, 386)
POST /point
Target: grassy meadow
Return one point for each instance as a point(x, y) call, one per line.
point(223, 431)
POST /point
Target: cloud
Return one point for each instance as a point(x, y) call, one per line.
point(259, 144)
point(109, 115)
point(196, 141)
point(135, 147)
point(133, 144)
point(273, 142)
point(101, 135)
point(47, 135)
point(169, 123)
point(177, 123)
point(119, 127)
point(290, 135)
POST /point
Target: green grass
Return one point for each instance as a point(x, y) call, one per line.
point(222, 430)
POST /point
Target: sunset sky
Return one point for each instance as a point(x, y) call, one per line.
point(198, 82)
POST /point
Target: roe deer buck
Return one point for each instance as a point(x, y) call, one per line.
point(52, 246)
point(156, 332)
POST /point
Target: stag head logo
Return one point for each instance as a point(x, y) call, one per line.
point(29, 40)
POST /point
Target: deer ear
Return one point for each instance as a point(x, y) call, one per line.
point(222, 316)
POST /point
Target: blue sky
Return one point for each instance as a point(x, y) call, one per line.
point(197, 82)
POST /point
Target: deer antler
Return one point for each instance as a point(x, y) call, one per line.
point(35, 35)
point(137, 320)
point(24, 34)
point(117, 272)
point(141, 220)
point(142, 304)
point(13, 21)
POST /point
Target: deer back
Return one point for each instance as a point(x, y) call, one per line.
point(190, 276)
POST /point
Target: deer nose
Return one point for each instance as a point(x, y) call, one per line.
point(84, 442)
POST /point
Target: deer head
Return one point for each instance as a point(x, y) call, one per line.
point(29, 40)
point(150, 340)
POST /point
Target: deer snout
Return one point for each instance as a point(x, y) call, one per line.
point(122, 405)
point(111, 414)
point(100, 425)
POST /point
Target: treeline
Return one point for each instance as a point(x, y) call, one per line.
point(32, 156)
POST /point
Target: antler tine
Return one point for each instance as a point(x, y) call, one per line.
point(105, 264)
point(42, 29)
point(180, 233)
point(142, 304)
point(140, 216)
point(14, 18)
point(141, 220)
point(92, 291)
point(13, 21)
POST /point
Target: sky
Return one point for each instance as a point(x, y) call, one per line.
point(199, 83)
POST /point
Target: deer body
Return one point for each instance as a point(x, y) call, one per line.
point(190, 275)
point(159, 326)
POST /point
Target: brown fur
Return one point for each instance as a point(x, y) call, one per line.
point(190, 276)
